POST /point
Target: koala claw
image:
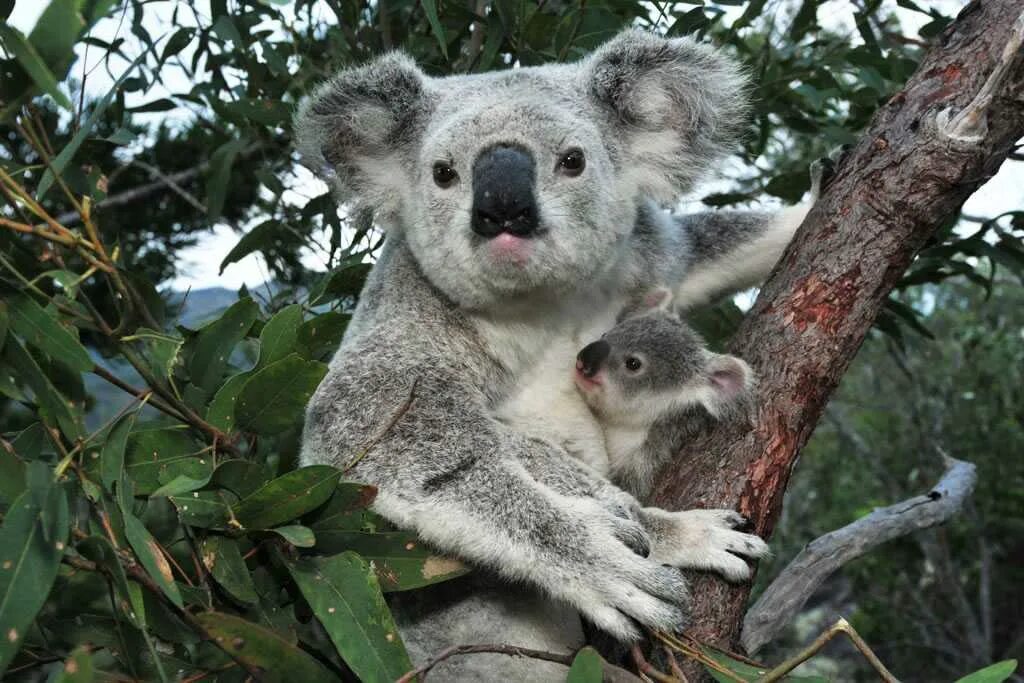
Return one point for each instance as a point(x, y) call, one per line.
point(703, 539)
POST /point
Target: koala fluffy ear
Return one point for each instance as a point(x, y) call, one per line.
point(657, 299)
point(729, 382)
point(356, 129)
point(677, 104)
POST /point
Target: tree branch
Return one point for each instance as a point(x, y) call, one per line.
point(612, 673)
point(895, 187)
point(164, 182)
point(794, 585)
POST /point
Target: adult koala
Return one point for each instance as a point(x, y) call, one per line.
point(522, 213)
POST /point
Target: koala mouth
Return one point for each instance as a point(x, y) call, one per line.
point(587, 383)
point(512, 249)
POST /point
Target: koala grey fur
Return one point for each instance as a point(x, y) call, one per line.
point(462, 318)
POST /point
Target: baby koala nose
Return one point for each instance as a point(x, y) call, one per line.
point(592, 356)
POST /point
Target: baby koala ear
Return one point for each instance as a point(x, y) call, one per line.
point(730, 382)
point(356, 129)
point(677, 104)
point(657, 299)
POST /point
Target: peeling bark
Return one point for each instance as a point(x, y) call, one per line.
point(913, 168)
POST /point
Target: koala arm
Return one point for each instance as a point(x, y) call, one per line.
point(726, 251)
point(476, 489)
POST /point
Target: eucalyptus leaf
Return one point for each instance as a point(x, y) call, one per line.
point(345, 596)
point(32, 542)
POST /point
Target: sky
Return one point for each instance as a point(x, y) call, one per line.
point(199, 265)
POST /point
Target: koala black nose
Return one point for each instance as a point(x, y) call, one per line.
point(503, 179)
point(592, 356)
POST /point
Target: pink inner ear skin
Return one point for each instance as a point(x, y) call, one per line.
point(729, 381)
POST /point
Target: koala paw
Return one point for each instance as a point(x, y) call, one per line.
point(703, 539)
point(823, 170)
point(616, 587)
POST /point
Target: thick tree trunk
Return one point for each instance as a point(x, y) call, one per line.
point(926, 150)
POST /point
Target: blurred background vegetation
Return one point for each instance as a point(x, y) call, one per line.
point(133, 132)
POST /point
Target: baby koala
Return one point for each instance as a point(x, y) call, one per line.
point(634, 395)
point(648, 382)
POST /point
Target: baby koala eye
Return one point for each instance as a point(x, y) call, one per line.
point(444, 175)
point(572, 162)
point(633, 364)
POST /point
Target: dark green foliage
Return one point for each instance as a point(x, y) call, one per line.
point(169, 533)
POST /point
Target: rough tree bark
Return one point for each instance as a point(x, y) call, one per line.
point(926, 150)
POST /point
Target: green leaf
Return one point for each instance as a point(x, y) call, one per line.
point(280, 335)
point(221, 161)
point(41, 329)
point(345, 509)
point(177, 42)
point(430, 7)
point(99, 550)
point(226, 30)
point(241, 477)
point(296, 534)
point(586, 667)
point(112, 453)
point(77, 667)
point(33, 63)
point(287, 497)
point(275, 398)
point(345, 281)
point(223, 559)
point(151, 557)
point(215, 342)
point(278, 660)
point(179, 485)
point(32, 542)
point(156, 456)
point(160, 350)
point(322, 334)
point(12, 476)
point(345, 596)
point(59, 162)
point(54, 408)
point(203, 509)
point(221, 413)
point(994, 673)
point(260, 237)
point(400, 560)
point(265, 111)
point(56, 31)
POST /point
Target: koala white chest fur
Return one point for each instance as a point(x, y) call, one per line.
point(522, 210)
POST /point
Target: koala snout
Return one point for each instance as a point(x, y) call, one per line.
point(593, 355)
point(503, 201)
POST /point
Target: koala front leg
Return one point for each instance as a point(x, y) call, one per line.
point(460, 480)
point(702, 539)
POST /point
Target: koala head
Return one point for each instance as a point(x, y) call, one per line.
point(523, 184)
point(652, 364)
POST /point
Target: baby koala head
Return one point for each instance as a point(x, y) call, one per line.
point(652, 364)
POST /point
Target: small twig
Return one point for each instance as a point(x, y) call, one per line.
point(841, 626)
point(647, 669)
point(511, 650)
point(140, 394)
point(402, 410)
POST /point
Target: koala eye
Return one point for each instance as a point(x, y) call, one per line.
point(444, 175)
point(572, 162)
point(633, 364)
